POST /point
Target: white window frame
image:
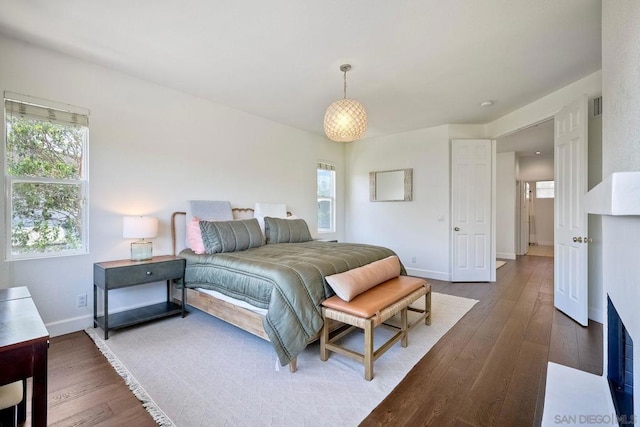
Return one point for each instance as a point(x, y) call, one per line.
point(61, 113)
point(331, 199)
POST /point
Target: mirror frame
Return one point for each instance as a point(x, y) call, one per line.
point(408, 186)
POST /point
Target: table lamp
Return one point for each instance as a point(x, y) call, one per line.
point(140, 227)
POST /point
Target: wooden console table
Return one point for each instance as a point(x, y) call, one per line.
point(24, 342)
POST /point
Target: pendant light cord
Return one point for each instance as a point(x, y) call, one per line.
point(345, 85)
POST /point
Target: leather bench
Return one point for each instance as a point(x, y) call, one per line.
point(369, 310)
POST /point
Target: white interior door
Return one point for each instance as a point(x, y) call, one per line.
point(570, 218)
point(472, 210)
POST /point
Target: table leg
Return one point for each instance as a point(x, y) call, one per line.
point(22, 406)
point(106, 314)
point(95, 306)
point(39, 398)
point(184, 296)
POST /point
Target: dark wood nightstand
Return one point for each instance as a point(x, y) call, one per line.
point(124, 273)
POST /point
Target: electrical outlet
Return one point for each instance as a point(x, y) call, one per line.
point(82, 300)
point(413, 260)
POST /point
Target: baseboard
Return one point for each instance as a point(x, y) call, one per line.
point(596, 314)
point(429, 274)
point(505, 255)
point(80, 323)
point(545, 243)
point(67, 326)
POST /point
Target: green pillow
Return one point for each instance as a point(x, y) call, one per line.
point(280, 230)
point(230, 236)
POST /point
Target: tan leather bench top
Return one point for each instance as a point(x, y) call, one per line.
point(377, 298)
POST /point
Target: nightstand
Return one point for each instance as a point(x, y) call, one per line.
point(125, 273)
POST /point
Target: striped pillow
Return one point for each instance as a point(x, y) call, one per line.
point(279, 230)
point(230, 236)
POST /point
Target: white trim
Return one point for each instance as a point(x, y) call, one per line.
point(505, 255)
point(67, 326)
point(429, 274)
point(597, 315)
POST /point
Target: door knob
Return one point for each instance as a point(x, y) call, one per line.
point(457, 229)
point(577, 239)
point(587, 239)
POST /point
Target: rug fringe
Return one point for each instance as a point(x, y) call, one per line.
point(147, 402)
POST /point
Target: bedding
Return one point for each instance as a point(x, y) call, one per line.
point(274, 210)
point(287, 279)
point(204, 210)
point(279, 230)
point(230, 236)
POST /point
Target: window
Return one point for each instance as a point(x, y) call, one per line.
point(326, 198)
point(544, 189)
point(46, 177)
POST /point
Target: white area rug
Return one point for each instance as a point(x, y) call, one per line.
point(500, 264)
point(575, 397)
point(201, 371)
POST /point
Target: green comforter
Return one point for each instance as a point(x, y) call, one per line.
point(286, 278)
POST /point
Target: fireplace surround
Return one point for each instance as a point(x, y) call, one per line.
point(617, 200)
point(620, 365)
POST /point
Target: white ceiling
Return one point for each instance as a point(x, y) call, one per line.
point(529, 141)
point(416, 64)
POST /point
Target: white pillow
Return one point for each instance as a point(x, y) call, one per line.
point(274, 210)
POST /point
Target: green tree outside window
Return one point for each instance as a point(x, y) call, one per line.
point(45, 170)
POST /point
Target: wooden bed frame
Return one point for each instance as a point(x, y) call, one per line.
point(237, 316)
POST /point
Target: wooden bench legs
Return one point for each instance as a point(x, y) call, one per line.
point(329, 343)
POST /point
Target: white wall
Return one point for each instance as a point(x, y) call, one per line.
point(151, 149)
point(417, 229)
point(621, 152)
point(546, 107)
point(506, 197)
point(543, 220)
point(535, 168)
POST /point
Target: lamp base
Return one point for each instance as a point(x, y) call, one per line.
point(141, 251)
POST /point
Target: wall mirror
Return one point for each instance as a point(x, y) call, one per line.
point(391, 186)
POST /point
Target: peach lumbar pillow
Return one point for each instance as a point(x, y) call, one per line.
point(352, 283)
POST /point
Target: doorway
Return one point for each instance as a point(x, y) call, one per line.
point(529, 169)
point(527, 155)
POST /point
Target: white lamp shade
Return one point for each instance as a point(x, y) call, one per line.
point(139, 227)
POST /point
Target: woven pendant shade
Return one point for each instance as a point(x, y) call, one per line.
point(345, 119)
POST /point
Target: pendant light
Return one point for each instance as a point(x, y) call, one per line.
point(345, 119)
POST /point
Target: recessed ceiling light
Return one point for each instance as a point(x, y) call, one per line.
point(538, 152)
point(487, 103)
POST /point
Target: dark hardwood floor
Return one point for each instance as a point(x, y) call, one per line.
point(489, 369)
point(84, 390)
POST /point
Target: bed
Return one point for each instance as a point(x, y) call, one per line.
point(272, 290)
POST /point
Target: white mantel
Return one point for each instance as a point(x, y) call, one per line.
point(618, 194)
